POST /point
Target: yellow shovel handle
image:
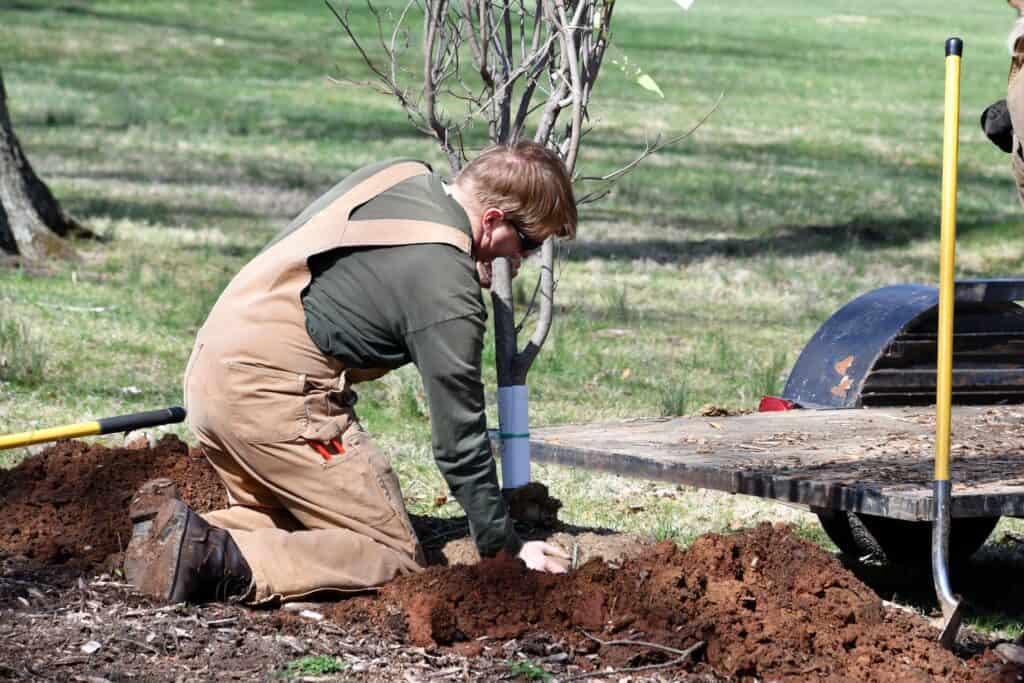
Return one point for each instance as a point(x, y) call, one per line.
point(51, 434)
point(108, 425)
point(950, 154)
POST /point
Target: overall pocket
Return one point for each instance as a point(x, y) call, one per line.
point(265, 405)
point(362, 496)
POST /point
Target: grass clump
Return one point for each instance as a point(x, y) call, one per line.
point(675, 399)
point(998, 625)
point(667, 527)
point(528, 670)
point(314, 665)
point(771, 375)
point(617, 304)
point(22, 360)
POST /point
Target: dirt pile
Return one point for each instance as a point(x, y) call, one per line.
point(764, 603)
point(69, 504)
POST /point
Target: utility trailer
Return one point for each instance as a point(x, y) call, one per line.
point(857, 447)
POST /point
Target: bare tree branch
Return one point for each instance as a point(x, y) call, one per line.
point(531, 60)
point(649, 149)
point(547, 309)
point(435, 17)
point(343, 20)
point(526, 68)
point(575, 84)
point(682, 657)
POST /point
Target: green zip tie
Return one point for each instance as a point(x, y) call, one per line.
point(512, 435)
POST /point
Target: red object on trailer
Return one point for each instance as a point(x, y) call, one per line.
point(771, 404)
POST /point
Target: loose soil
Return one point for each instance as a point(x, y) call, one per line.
point(69, 504)
point(761, 604)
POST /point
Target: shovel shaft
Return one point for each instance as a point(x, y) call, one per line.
point(950, 156)
point(951, 606)
point(51, 434)
point(108, 425)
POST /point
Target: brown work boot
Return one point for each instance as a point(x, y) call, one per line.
point(182, 558)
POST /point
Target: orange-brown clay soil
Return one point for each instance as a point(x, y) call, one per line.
point(758, 605)
point(69, 504)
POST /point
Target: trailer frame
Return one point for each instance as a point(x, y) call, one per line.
point(874, 461)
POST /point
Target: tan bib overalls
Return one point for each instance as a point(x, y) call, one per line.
point(259, 391)
point(1015, 103)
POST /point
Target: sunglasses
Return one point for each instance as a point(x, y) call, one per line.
point(526, 243)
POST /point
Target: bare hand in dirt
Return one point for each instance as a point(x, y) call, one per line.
point(540, 556)
point(484, 270)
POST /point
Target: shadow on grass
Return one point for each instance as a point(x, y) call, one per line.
point(229, 250)
point(82, 10)
point(864, 233)
point(162, 213)
point(813, 157)
point(248, 175)
point(339, 125)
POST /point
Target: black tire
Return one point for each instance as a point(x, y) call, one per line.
point(899, 541)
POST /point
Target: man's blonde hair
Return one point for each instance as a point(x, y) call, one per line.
point(529, 183)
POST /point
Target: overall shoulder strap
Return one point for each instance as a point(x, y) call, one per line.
point(321, 231)
point(396, 232)
point(381, 182)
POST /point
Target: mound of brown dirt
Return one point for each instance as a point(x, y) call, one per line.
point(764, 603)
point(69, 504)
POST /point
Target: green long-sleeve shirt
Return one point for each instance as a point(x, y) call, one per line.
point(383, 307)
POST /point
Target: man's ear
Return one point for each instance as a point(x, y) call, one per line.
point(489, 221)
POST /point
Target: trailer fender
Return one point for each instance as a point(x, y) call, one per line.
point(831, 369)
point(880, 348)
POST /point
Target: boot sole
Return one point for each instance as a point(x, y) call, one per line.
point(150, 497)
point(142, 511)
point(157, 555)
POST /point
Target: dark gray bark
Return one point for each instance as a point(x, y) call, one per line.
point(32, 223)
point(512, 365)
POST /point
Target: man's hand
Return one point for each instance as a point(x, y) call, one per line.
point(483, 269)
point(539, 556)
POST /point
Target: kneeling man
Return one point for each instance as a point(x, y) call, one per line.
point(384, 269)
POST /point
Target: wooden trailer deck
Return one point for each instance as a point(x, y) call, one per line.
point(878, 461)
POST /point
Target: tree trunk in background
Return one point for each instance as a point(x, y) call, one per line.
point(32, 224)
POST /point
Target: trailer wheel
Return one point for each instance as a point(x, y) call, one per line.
point(900, 541)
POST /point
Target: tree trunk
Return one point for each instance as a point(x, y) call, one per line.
point(32, 224)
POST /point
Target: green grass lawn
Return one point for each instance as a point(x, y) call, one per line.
point(190, 132)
